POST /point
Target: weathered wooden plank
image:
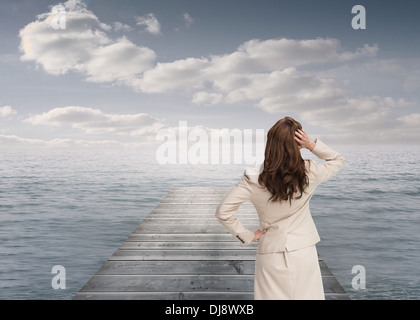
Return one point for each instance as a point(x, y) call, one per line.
point(200, 189)
point(145, 267)
point(198, 206)
point(234, 267)
point(192, 228)
point(187, 213)
point(184, 283)
point(181, 237)
point(162, 283)
point(194, 213)
point(188, 197)
point(176, 295)
point(336, 296)
point(193, 221)
point(163, 245)
point(192, 207)
point(182, 296)
point(245, 254)
point(202, 218)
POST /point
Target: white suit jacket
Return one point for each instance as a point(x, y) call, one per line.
point(289, 225)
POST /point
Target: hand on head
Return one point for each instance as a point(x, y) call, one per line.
point(303, 140)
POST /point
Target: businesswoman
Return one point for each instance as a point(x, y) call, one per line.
point(286, 265)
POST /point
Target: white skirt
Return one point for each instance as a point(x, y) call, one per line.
point(289, 275)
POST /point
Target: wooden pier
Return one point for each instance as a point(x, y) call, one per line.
point(180, 251)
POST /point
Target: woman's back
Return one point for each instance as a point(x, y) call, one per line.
point(289, 224)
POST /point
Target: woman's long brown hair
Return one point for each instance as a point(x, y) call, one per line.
point(284, 171)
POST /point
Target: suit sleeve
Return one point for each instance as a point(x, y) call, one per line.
point(334, 161)
point(226, 210)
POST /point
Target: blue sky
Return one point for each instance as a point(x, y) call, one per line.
point(122, 70)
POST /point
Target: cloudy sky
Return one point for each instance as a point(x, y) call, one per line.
point(116, 72)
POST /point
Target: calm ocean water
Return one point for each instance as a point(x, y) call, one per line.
point(75, 207)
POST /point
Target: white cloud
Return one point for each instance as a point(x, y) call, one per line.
point(150, 22)
point(181, 74)
point(366, 120)
point(365, 114)
point(237, 70)
point(203, 97)
point(14, 141)
point(280, 91)
point(257, 56)
point(120, 61)
point(84, 46)
point(94, 121)
point(7, 111)
point(366, 51)
point(273, 75)
point(412, 120)
point(395, 103)
point(189, 21)
point(118, 26)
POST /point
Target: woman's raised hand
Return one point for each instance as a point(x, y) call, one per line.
point(303, 140)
